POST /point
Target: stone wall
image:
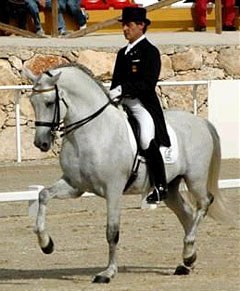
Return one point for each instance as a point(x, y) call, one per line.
point(178, 63)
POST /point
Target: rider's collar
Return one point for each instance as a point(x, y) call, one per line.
point(131, 45)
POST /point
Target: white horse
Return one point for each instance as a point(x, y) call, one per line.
point(97, 156)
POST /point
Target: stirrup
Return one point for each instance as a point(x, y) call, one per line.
point(158, 194)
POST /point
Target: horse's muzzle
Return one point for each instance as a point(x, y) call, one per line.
point(44, 145)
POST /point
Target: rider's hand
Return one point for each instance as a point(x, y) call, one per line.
point(116, 92)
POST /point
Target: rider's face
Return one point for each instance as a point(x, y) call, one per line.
point(132, 30)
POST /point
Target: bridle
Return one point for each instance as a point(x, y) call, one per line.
point(55, 125)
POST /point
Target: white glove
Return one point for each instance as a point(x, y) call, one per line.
point(116, 92)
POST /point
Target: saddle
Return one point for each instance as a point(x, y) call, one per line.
point(169, 154)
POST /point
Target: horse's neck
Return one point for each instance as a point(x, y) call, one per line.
point(82, 100)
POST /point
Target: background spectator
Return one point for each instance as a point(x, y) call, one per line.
point(61, 23)
point(228, 15)
point(34, 6)
point(74, 9)
point(33, 9)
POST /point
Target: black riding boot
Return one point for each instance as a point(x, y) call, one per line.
point(157, 173)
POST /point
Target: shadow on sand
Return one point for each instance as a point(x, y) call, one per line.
point(69, 273)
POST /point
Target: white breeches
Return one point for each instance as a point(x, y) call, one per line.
point(147, 128)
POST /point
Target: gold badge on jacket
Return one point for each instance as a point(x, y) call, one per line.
point(134, 68)
point(134, 65)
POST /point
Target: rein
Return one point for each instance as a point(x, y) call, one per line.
point(55, 124)
point(67, 129)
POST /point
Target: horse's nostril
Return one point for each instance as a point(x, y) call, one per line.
point(44, 146)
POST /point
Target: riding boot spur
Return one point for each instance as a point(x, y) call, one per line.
point(157, 174)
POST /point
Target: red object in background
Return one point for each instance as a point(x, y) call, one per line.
point(120, 4)
point(228, 12)
point(95, 4)
point(105, 4)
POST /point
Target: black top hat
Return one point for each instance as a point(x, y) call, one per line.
point(134, 14)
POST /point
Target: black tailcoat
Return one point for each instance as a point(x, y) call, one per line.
point(137, 72)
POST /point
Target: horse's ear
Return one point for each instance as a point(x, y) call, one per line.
point(26, 73)
point(55, 78)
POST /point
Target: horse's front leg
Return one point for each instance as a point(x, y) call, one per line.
point(112, 233)
point(61, 189)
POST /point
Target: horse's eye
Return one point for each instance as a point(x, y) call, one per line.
point(49, 103)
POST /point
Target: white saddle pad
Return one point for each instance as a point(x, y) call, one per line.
point(170, 154)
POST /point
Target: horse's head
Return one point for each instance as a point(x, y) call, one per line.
point(58, 95)
point(46, 104)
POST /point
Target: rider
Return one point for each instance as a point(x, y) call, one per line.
point(135, 76)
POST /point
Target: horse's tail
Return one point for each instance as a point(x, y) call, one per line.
point(221, 208)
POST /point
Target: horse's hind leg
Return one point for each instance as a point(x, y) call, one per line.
point(60, 189)
point(203, 200)
point(185, 215)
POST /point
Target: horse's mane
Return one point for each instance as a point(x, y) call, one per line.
point(85, 70)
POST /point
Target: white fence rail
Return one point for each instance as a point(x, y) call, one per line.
point(32, 194)
point(17, 114)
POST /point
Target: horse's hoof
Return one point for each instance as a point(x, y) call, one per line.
point(49, 248)
point(101, 279)
point(189, 261)
point(182, 270)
